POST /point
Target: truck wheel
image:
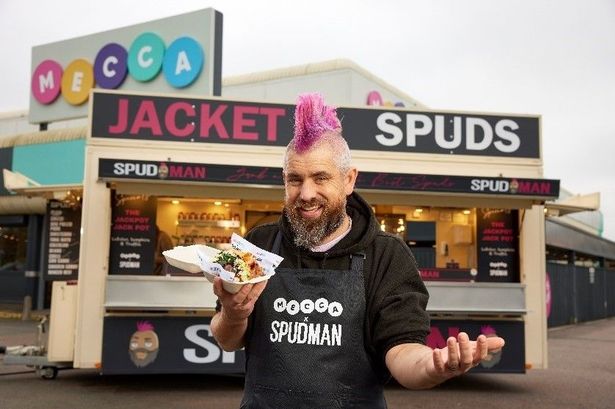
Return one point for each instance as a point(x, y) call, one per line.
point(48, 372)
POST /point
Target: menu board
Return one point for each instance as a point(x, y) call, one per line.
point(497, 245)
point(62, 244)
point(133, 234)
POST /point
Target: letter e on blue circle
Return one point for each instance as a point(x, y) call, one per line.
point(183, 62)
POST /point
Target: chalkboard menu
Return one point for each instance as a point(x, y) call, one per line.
point(62, 244)
point(133, 234)
point(497, 245)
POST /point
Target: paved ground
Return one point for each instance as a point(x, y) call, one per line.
point(581, 375)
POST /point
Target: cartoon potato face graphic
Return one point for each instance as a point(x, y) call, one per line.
point(163, 171)
point(144, 345)
point(514, 186)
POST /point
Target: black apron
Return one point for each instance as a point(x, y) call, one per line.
point(306, 344)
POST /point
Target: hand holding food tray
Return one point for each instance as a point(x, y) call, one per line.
point(243, 264)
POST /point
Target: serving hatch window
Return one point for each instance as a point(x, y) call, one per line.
point(457, 244)
point(143, 226)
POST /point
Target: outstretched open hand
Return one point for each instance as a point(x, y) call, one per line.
point(461, 354)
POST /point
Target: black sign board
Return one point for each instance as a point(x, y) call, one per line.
point(497, 245)
point(150, 345)
point(186, 345)
point(61, 259)
point(133, 234)
point(180, 119)
point(510, 359)
point(203, 172)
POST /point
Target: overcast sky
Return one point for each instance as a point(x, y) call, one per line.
point(552, 58)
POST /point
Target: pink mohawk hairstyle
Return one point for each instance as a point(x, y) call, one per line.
point(312, 120)
point(144, 326)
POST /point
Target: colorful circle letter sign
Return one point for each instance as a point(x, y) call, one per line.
point(374, 99)
point(46, 81)
point(183, 62)
point(110, 66)
point(77, 81)
point(145, 57)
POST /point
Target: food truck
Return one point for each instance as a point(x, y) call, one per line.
point(464, 190)
point(201, 169)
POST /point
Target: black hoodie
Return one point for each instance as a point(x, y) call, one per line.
point(395, 295)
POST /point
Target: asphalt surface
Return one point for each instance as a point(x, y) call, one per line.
point(581, 375)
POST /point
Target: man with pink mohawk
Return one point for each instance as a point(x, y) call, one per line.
point(345, 310)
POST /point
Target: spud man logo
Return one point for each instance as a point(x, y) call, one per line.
point(144, 345)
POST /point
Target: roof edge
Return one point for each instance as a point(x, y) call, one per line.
point(315, 68)
point(37, 137)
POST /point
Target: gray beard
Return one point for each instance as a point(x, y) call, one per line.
point(310, 233)
point(140, 363)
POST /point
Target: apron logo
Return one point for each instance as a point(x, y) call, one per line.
point(307, 306)
point(306, 332)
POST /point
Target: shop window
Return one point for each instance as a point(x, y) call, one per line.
point(13, 245)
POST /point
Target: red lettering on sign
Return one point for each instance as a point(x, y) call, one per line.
point(122, 117)
point(272, 115)
point(427, 273)
point(424, 182)
point(200, 173)
point(535, 187)
point(244, 174)
point(383, 179)
point(545, 188)
point(188, 172)
point(240, 122)
point(170, 119)
point(214, 119)
point(179, 119)
point(176, 171)
point(146, 118)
